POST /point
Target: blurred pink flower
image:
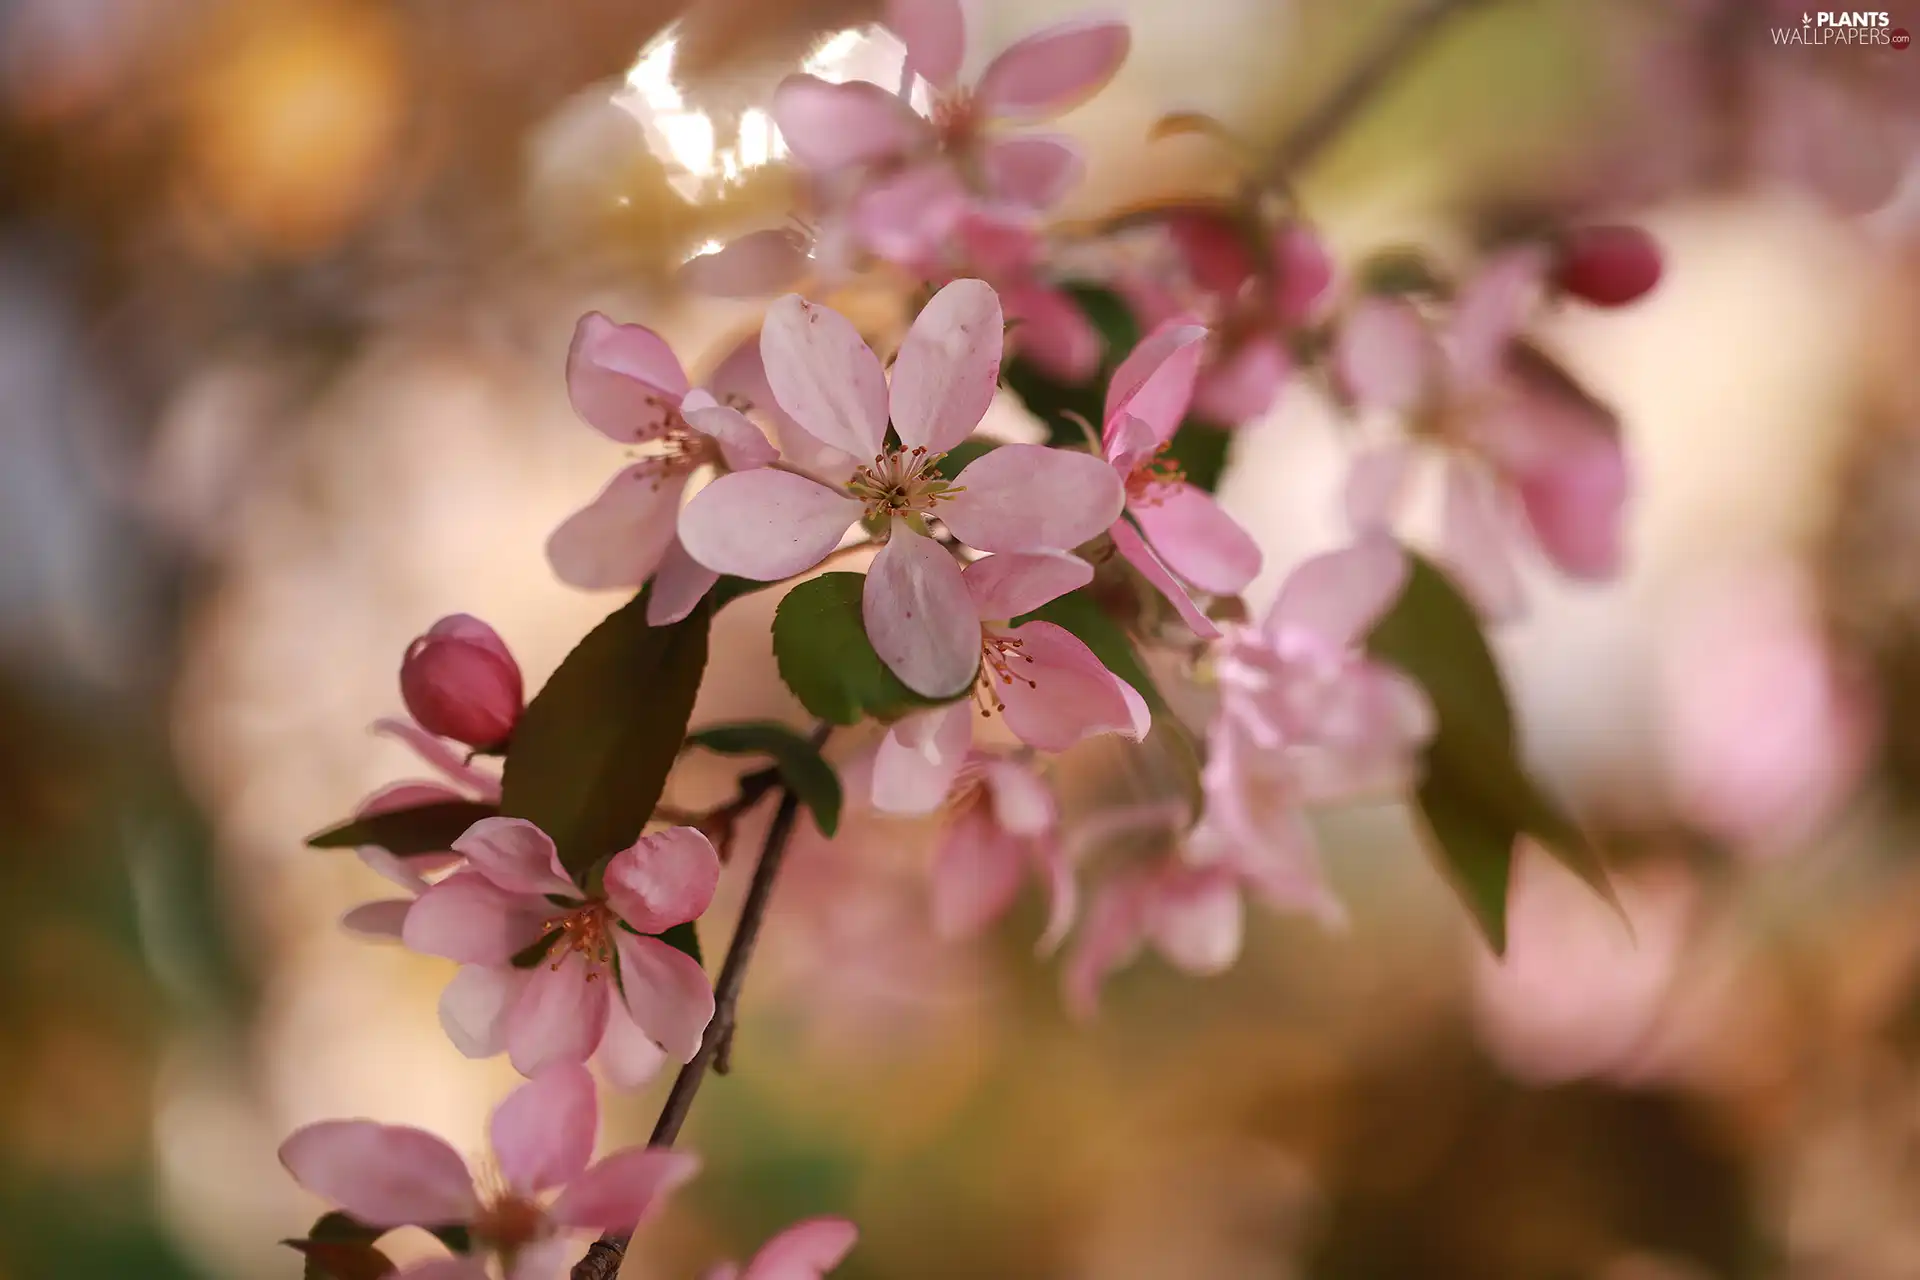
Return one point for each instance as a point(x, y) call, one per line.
point(459, 681)
point(1608, 266)
point(1005, 247)
point(804, 1251)
point(1528, 454)
point(772, 523)
point(383, 918)
point(1191, 915)
point(1178, 537)
point(999, 828)
point(543, 1137)
point(554, 974)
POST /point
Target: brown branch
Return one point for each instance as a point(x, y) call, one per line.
point(1304, 142)
point(602, 1261)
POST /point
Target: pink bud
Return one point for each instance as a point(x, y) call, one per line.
point(1609, 266)
point(459, 682)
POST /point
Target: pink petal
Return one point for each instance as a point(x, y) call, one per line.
point(949, 367)
point(1196, 922)
point(473, 1007)
point(1134, 550)
point(765, 524)
point(559, 1015)
point(1575, 509)
point(1027, 497)
point(385, 1175)
point(1490, 312)
point(405, 872)
point(666, 992)
point(1108, 940)
point(543, 1260)
point(1476, 535)
point(441, 756)
point(1155, 382)
point(742, 378)
point(1034, 170)
point(935, 33)
point(517, 856)
point(1196, 539)
point(759, 264)
point(1377, 486)
point(977, 869)
point(1384, 355)
point(1337, 598)
point(628, 1056)
point(919, 616)
point(1022, 801)
point(617, 1193)
point(832, 126)
point(804, 1251)
point(1128, 442)
point(396, 796)
point(1052, 332)
point(679, 584)
point(444, 1269)
point(623, 379)
point(665, 879)
point(907, 218)
point(824, 376)
point(468, 918)
point(1056, 692)
point(917, 762)
point(1053, 70)
point(1244, 383)
point(543, 1132)
point(1006, 586)
point(742, 445)
point(1303, 272)
point(1214, 249)
point(383, 919)
point(1001, 241)
point(617, 539)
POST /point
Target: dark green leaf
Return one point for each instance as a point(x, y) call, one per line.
point(1057, 405)
point(1395, 272)
point(820, 645)
point(683, 937)
point(1080, 613)
point(592, 752)
point(340, 1247)
point(1110, 315)
point(1201, 450)
point(343, 1226)
point(1476, 795)
point(455, 1237)
point(802, 767)
point(962, 455)
point(534, 952)
point(430, 828)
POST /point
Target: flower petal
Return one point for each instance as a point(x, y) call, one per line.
point(1022, 801)
point(832, 126)
point(741, 379)
point(468, 918)
point(1384, 355)
point(917, 762)
point(1054, 69)
point(444, 1269)
point(760, 264)
point(908, 217)
point(1027, 497)
point(1051, 332)
point(1034, 170)
point(1196, 921)
point(441, 756)
point(1108, 939)
point(664, 879)
point(1134, 550)
point(1128, 442)
point(1336, 598)
point(666, 992)
point(1155, 382)
point(680, 583)
point(623, 379)
point(919, 616)
point(1477, 536)
point(1574, 506)
point(1377, 484)
point(385, 918)
point(824, 376)
point(559, 1015)
point(977, 869)
point(385, 1175)
point(804, 1251)
point(543, 1132)
point(542, 1260)
point(1056, 692)
point(935, 33)
point(628, 1056)
point(1490, 311)
point(742, 445)
point(617, 539)
point(1196, 539)
point(515, 855)
point(617, 1193)
point(1243, 383)
point(765, 524)
point(949, 367)
point(473, 1007)
point(1006, 586)
point(1303, 272)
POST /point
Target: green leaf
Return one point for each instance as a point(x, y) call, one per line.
point(963, 455)
point(820, 645)
point(1476, 795)
point(1058, 404)
point(591, 753)
point(456, 1237)
point(1080, 613)
point(802, 767)
point(1399, 272)
point(1110, 315)
point(534, 952)
point(340, 1247)
point(683, 937)
point(430, 828)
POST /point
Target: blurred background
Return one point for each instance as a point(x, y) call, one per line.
point(285, 292)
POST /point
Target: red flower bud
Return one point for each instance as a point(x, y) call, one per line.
point(459, 682)
point(1609, 266)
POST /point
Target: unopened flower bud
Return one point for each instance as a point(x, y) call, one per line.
point(1609, 266)
point(459, 682)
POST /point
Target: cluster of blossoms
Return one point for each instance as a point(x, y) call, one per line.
point(969, 646)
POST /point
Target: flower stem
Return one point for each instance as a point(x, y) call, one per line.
point(602, 1261)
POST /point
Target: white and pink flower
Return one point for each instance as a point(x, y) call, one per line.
point(543, 1137)
point(806, 1250)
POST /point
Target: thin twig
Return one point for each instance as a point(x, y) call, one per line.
point(1323, 124)
point(603, 1259)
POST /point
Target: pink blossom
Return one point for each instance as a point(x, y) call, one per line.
point(1608, 266)
point(1528, 455)
point(804, 1251)
point(383, 918)
point(543, 1137)
point(625, 381)
point(772, 523)
point(460, 682)
point(1049, 330)
point(552, 973)
point(1174, 533)
point(456, 766)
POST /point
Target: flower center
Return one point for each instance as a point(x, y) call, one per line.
point(956, 120)
point(901, 482)
point(588, 930)
point(997, 656)
point(507, 1221)
point(1150, 480)
point(678, 448)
